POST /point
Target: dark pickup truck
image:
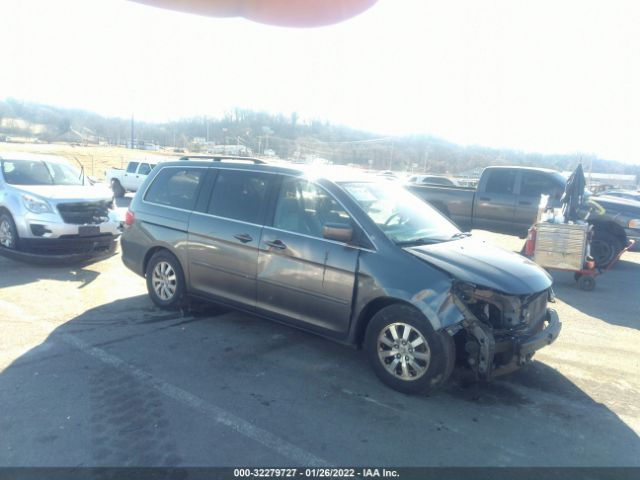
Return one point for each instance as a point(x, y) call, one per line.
point(507, 199)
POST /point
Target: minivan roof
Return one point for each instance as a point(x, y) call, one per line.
point(336, 173)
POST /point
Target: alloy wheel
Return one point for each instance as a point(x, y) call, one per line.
point(403, 351)
point(7, 239)
point(164, 281)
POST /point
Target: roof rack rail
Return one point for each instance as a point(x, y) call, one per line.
point(222, 158)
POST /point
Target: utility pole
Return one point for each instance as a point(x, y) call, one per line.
point(132, 132)
point(426, 158)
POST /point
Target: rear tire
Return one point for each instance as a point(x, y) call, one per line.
point(406, 353)
point(165, 280)
point(118, 189)
point(8, 232)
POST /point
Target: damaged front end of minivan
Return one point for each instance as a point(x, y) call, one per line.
point(501, 332)
point(497, 305)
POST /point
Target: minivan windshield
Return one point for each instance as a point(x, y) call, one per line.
point(38, 172)
point(403, 217)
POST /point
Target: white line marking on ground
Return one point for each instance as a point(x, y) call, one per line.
point(217, 414)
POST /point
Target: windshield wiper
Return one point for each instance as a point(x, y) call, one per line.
point(417, 241)
point(460, 235)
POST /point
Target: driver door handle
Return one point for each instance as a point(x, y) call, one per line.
point(277, 244)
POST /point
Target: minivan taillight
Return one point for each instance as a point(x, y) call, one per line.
point(129, 218)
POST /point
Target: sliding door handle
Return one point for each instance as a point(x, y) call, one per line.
point(277, 244)
point(243, 237)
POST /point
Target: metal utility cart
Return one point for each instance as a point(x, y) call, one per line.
point(565, 247)
point(562, 246)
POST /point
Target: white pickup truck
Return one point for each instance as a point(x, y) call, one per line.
point(129, 179)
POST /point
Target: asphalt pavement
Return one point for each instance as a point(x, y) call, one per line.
point(92, 374)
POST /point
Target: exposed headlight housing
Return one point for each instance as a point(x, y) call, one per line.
point(635, 223)
point(36, 205)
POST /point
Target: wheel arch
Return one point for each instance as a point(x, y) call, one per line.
point(369, 311)
point(612, 228)
point(152, 251)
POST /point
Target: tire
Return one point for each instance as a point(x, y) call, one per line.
point(604, 248)
point(165, 280)
point(118, 189)
point(586, 283)
point(8, 232)
point(437, 350)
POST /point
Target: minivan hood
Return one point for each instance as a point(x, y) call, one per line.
point(480, 263)
point(69, 192)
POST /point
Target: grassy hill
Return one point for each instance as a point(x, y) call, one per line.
point(286, 135)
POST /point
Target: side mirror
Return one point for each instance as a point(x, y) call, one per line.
point(340, 232)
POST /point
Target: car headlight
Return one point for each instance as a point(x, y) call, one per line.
point(36, 205)
point(635, 223)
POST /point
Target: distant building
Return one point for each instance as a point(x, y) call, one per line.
point(240, 150)
point(142, 145)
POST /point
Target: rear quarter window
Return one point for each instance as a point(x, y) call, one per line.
point(176, 187)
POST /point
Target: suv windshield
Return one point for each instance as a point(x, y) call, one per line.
point(403, 217)
point(37, 172)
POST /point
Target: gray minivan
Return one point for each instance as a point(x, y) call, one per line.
point(353, 258)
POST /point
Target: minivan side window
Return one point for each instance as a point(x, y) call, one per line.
point(239, 195)
point(132, 167)
point(176, 187)
point(501, 181)
point(303, 207)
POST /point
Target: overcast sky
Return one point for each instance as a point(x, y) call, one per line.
point(546, 76)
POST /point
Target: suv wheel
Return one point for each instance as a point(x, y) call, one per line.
point(405, 352)
point(8, 232)
point(604, 248)
point(165, 280)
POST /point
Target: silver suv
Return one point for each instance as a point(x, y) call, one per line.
point(356, 259)
point(48, 207)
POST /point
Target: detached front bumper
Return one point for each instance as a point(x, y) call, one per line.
point(70, 244)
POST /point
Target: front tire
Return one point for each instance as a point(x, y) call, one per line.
point(605, 247)
point(405, 352)
point(165, 280)
point(8, 232)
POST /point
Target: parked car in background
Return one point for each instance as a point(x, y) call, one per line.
point(627, 194)
point(48, 206)
point(353, 258)
point(129, 179)
point(432, 180)
point(507, 200)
